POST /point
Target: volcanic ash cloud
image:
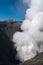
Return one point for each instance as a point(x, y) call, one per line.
point(30, 41)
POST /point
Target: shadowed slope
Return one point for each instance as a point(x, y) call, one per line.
point(7, 50)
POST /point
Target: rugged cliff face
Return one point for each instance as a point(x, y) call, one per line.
point(7, 51)
point(10, 27)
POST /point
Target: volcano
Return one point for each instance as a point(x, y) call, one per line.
point(7, 50)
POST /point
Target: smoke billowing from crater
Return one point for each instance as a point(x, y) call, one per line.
point(30, 41)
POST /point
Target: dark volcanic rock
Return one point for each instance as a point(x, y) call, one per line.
point(10, 27)
point(7, 50)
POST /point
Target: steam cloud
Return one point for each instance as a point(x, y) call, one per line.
point(30, 41)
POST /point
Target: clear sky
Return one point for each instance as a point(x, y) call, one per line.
point(12, 9)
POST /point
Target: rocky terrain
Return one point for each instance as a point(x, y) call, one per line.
point(10, 27)
point(7, 51)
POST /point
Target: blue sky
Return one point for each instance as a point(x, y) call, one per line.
point(12, 9)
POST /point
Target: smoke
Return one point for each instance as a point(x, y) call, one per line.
point(25, 26)
point(30, 41)
point(35, 6)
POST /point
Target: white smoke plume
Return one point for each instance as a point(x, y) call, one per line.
point(30, 41)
